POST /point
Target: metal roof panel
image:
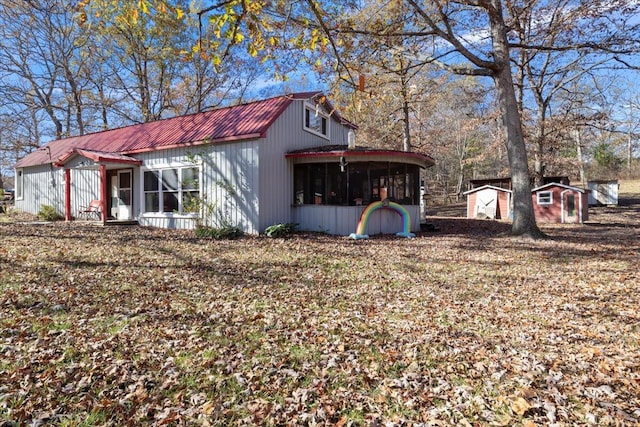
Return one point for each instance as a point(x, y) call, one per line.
point(244, 121)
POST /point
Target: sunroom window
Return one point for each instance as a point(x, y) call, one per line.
point(359, 184)
point(172, 190)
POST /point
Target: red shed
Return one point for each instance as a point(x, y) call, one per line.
point(560, 203)
point(488, 202)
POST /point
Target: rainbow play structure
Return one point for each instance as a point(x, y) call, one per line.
point(384, 204)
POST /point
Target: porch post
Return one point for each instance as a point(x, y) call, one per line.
point(103, 192)
point(67, 194)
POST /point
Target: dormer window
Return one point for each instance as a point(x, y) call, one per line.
point(316, 120)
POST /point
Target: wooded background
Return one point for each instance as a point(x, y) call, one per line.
point(70, 68)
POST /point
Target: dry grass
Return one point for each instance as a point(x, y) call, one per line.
point(629, 188)
point(134, 326)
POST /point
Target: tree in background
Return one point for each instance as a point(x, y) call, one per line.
point(42, 67)
point(462, 133)
point(465, 38)
point(554, 54)
point(67, 69)
point(162, 58)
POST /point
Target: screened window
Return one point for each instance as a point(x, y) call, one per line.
point(175, 190)
point(545, 197)
point(359, 184)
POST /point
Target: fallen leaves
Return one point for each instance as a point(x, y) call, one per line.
point(107, 326)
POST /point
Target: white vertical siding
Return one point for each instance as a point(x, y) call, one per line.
point(173, 222)
point(343, 220)
point(85, 187)
point(231, 181)
point(234, 165)
point(42, 185)
point(257, 171)
point(276, 172)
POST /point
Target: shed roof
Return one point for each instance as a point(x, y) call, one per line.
point(557, 184)
point(235, 123)
point(484, 187)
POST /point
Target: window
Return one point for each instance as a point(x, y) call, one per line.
point(190, 190)
point(571, 205)
point(316, 121)
point(151, 195)
point(175, 190)
point(19, 184)
point(359, 184)
point(545, 197)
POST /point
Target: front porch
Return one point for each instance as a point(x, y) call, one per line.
point(99, 186)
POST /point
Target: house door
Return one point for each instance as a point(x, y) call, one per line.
point(121, 192)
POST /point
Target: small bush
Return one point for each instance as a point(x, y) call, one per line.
point(49, 213)
point(220, 233)
point(280, 230)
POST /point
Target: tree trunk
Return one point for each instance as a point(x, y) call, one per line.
point(629, 153)
point(406, 138)
point(579, 156)
point(538, 149)
point(406, 131)
point(524, 221)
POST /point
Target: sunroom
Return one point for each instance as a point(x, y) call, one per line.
point(333, 185)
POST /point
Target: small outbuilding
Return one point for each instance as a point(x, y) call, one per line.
point(560, 203)
point(488, 201)
point(603, 192)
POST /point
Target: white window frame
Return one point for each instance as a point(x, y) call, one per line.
point(19, 184)
point(545, 197)
point(316, 111)
point(159, 171)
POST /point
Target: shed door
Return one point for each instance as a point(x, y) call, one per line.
point(486, 203)
point(570, 211)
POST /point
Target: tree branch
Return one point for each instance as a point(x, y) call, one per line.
point(327, 32)
point(449, 36)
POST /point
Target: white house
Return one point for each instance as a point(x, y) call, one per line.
point(280, 160)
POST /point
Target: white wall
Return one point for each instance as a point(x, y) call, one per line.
point(257, 170)
point(235, 164)
point(42, 185)
point(343, 220)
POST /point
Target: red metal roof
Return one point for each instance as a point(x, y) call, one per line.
point(240, 122)
point(97, 156)
point(337, 151)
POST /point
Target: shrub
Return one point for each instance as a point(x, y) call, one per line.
point(49, 213)
point(280, 230)
point(219, 233)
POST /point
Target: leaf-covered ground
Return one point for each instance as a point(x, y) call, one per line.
point(135, 326)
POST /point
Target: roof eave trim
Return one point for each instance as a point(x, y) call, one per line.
point(428, 161)
point(95, 156)
point(485, 187)
point(558, 184)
